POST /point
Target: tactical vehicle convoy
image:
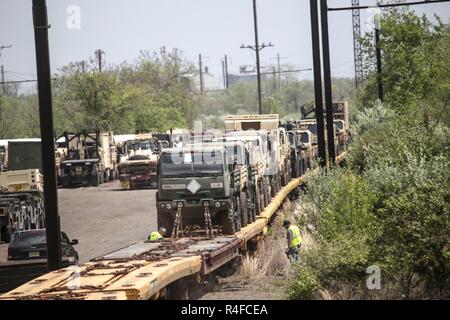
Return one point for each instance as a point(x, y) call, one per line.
point(138, 167)
point(197, 187)
point(268, 127)
point(90, 159)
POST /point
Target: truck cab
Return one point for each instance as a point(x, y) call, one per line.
point(138, 167)
point(191, 179)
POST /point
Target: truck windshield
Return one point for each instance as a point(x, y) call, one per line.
point(143, 145)
point(291, 138)
point(313, 128)
point(339, 125)
point(304, 137)
point(192, 164)
point(234, 154)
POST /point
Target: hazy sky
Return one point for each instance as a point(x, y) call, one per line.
point(211, 27)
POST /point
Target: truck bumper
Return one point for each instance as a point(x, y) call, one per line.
point(138, 181)
point(194, 211)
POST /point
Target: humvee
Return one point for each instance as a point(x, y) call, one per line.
point(138, 167)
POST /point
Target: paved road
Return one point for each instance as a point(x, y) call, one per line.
point(105, 218)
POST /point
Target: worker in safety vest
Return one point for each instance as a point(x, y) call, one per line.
point(157, 235)
point(294, 239)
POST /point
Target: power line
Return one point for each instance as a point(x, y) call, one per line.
point(288, 71)
point(21, 81)
point(388, 5)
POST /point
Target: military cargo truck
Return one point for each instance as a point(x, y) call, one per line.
point(238, 159)
point(21, 189)
point(196, 185)
point(268, 127)
point(138, 168)
point(90, 159)
point(259, 160)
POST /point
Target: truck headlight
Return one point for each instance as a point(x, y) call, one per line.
point(168, 206)
point(217, 204)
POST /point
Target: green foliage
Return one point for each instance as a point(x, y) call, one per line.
point(415, 56)
point(339, 204)
point(303, 285)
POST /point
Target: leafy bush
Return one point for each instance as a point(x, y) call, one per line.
point(413, 213)
point(303, 285)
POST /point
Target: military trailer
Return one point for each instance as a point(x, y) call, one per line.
point(138, 168)
point(196, 187)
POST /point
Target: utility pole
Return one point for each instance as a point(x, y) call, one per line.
point(327, 81)
point(279, 68)
point(317, 81)
point(379, 70)
point(2, 70)
point(3, 79)
point(227, 83)
point(257, 48)
point(274, 79)
point(223, 75)
point(258, 66)
point(52, 223)
point(200, 68)
point(99, 54)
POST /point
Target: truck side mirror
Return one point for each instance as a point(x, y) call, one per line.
point(74, 242)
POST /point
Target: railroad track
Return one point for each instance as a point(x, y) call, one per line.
point(152, 270)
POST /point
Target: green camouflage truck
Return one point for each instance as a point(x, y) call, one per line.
point(195, 179)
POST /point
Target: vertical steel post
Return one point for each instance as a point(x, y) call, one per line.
point(52, 224)
point(327, 81)
point(317, 81)
point(379, 69)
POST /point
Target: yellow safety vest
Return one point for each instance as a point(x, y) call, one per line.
point(155, 236)
point(296, 238)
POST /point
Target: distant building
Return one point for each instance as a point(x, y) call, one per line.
point(210, 82)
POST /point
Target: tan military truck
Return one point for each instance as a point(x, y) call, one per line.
point(21, 202)
point(276, 140)
point(258, 161)
point(139, 163)
point(90, 159)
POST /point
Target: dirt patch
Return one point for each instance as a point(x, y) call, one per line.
point(265, 274)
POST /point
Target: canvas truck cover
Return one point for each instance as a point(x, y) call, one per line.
point(252, 122)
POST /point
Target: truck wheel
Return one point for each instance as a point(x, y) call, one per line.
point(227, 223)
point(165, 220)
point(243, 208)
point(95, 180)
point(267, 193)
point(66, 182)
point(261, 196)
point(257, 201)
